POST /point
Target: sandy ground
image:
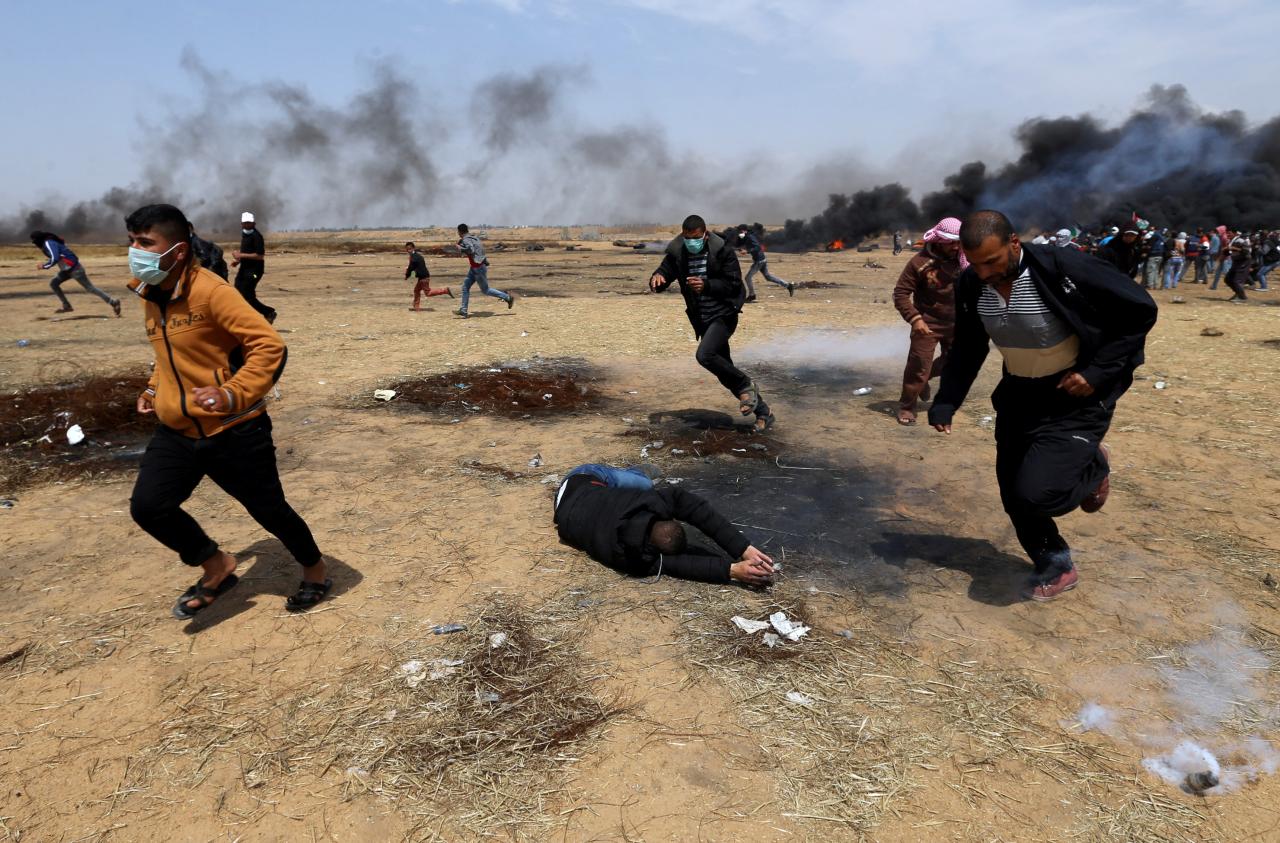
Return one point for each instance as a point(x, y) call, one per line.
point(947, 709)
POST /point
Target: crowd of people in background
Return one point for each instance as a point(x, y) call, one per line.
point(1161, 258)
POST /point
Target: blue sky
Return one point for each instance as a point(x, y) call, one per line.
point(758, 90)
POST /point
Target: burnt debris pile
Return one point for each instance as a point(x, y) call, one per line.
point(513, 390)
point(676, 436)
point(61, 431)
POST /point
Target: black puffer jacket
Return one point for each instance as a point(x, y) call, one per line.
point(612, 526)
point(724, 277)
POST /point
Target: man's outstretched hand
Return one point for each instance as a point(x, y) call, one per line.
point(656, 281)
point(754, 568)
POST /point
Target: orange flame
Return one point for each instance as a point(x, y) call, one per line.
point(835, 246)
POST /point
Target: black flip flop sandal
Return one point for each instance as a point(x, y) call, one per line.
point(206, 596)
point(768, 423)
point(748, 406)
point(309, 594)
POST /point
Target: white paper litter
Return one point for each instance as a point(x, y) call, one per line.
point(75, 435)
point(798, 698)
point(769, 639)
point(384, 394)
point(748, 626)
point(536, 461)
point(497, 640)
point(862, 390)
point(414, 671)
point(786, 627)
point(1161, 384)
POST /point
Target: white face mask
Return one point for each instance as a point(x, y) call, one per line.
point(246, 230)
point(145, 265)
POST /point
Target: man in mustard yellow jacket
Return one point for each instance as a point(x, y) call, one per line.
point(216, 360)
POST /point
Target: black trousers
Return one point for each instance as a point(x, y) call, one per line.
point(1238, 277)
point(247, 279)
point(713, 355)
point(242, 461)
point(1047, 461)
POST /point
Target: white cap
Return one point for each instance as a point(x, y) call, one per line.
point(247, 216)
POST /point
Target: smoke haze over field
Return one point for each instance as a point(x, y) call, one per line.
point(509, 149)
point(1169, 162)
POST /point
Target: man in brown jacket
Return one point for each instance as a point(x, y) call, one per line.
point(925, 296)
point(216, 360)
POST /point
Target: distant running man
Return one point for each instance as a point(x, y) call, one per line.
point(748, 242)
point(251, 258)
point(418, 268)
point(473, 249)
point(55, 249)
point(1071, 329)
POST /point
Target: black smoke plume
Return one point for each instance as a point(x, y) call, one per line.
point(1169, 162)
point(399, 153)
point(851, 218)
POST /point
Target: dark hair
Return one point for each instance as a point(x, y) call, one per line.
point(693, 222)
point(980, 225)
point(39, 238)
point(462, 228)
point(410, 245)
point(668, 537)
point(165, 219)
point(742, 227)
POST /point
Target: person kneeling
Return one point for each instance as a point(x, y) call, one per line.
point(619, 519)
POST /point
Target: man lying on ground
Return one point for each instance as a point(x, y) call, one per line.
point(619, 519)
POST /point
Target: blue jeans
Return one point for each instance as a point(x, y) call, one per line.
point(1224, 267)
point(763, 268)
point(1173, 272)
point(479, 275)
point(1262, 275)
point(615, 478)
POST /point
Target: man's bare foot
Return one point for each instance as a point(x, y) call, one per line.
point(316, 573)
point(216, 569)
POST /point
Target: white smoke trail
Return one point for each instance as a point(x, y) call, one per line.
point(1212, 689)
point(833, 348)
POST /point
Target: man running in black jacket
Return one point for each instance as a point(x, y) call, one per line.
point(1071, 329)
point(251, 258)
point(619, 519)
point(749, 243)
point(711, 281)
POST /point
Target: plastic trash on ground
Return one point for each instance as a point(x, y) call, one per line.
point(384, 394)
point(748, 626)
point(787, 628)
point(75, 435)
